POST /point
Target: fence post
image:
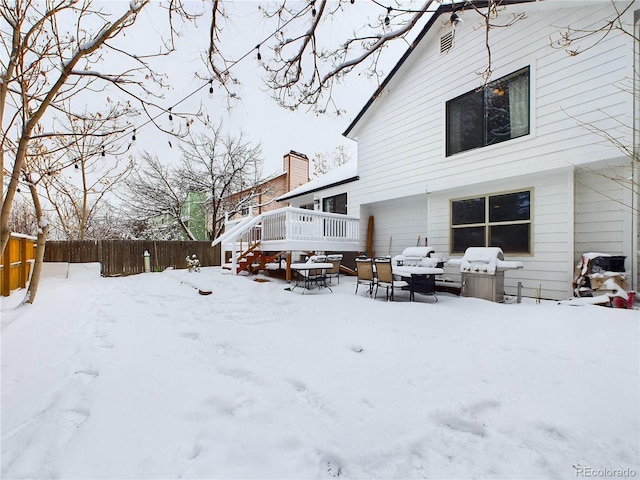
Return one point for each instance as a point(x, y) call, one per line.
point(6, 271)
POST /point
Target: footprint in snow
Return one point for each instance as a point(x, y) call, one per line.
point(314, 402)
point(190, 335)
point(462, 425)
point(330, 466)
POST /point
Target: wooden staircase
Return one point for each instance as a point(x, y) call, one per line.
point(253, 260)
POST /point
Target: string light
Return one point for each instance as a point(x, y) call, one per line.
point(387, 21)
point(170, 116)
point(102, 153)
point(232, 95)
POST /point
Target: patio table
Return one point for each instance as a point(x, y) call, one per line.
point(304, 279)
point(420, 279)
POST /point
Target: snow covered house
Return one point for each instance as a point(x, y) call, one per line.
point(303, 223)
point(526, 163)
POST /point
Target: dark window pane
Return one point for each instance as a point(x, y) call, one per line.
point(464, 212)
point(335, 204)
point(498, 120)
point(497, 113)
point(511, 238)
point(465, 123)
point(509, 207)
point(467, 237)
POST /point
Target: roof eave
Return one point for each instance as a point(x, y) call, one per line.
point(317, 189)
point(442, 9)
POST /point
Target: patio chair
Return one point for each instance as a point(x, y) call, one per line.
point(334, 272)
point(319, 276)
point(364, 269)
point(385, 277)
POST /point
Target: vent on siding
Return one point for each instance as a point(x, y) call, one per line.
point(446, 42)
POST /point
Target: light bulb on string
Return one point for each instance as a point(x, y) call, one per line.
point(387, 21)
point(211, 89)
point(258, 55)
point(102, 153)
point(170, 117)
point(133, 137)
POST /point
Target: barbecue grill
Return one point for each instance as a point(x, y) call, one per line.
point(482, 270)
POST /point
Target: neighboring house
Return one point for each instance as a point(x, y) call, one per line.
point(327, 193)
point(195, 215)
point(518, 164)
point(295, 168)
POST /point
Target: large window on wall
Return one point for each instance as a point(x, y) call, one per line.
point(335, 204)
point(493, 114)
point(502, 220)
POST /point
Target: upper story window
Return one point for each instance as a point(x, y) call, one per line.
point(493, 114)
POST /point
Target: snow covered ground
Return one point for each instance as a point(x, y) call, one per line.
point(143, 378)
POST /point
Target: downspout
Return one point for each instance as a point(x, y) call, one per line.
point(635, 178)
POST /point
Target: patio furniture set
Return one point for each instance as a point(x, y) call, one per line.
point(318, 270)
point(482, 270)
point(414, 270)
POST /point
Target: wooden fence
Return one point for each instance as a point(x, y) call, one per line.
point(17, 262)
point(126, 257)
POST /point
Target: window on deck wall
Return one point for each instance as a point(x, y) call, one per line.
point(493, 114)
point(502, 220)
point(335, 204)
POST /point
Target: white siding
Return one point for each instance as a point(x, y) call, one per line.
point(398, 224)
point(401, 140)
point(551, 263)
point(603, 214)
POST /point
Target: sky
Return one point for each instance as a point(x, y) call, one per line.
point(141, 377)
point(256, 114)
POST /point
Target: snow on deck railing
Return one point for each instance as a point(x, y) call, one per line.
point(291, 224)
point(298, 224)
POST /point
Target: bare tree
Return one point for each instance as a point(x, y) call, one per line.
point(227, 168)
point(311, 48)
point(23, 218)
point(153, 201)
point(324, 162)
point(97, 166)
point(223, 169)
point(51, 53)
point(43, 228)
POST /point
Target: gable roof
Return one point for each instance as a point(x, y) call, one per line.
point(442, 9)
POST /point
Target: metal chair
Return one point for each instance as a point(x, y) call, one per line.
point(335, 260)
point(364, 269)
point(384, 275)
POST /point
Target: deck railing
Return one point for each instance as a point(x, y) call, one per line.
point(291, 229)
point(298, 224)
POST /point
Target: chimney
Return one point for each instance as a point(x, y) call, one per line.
point(296, 166)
